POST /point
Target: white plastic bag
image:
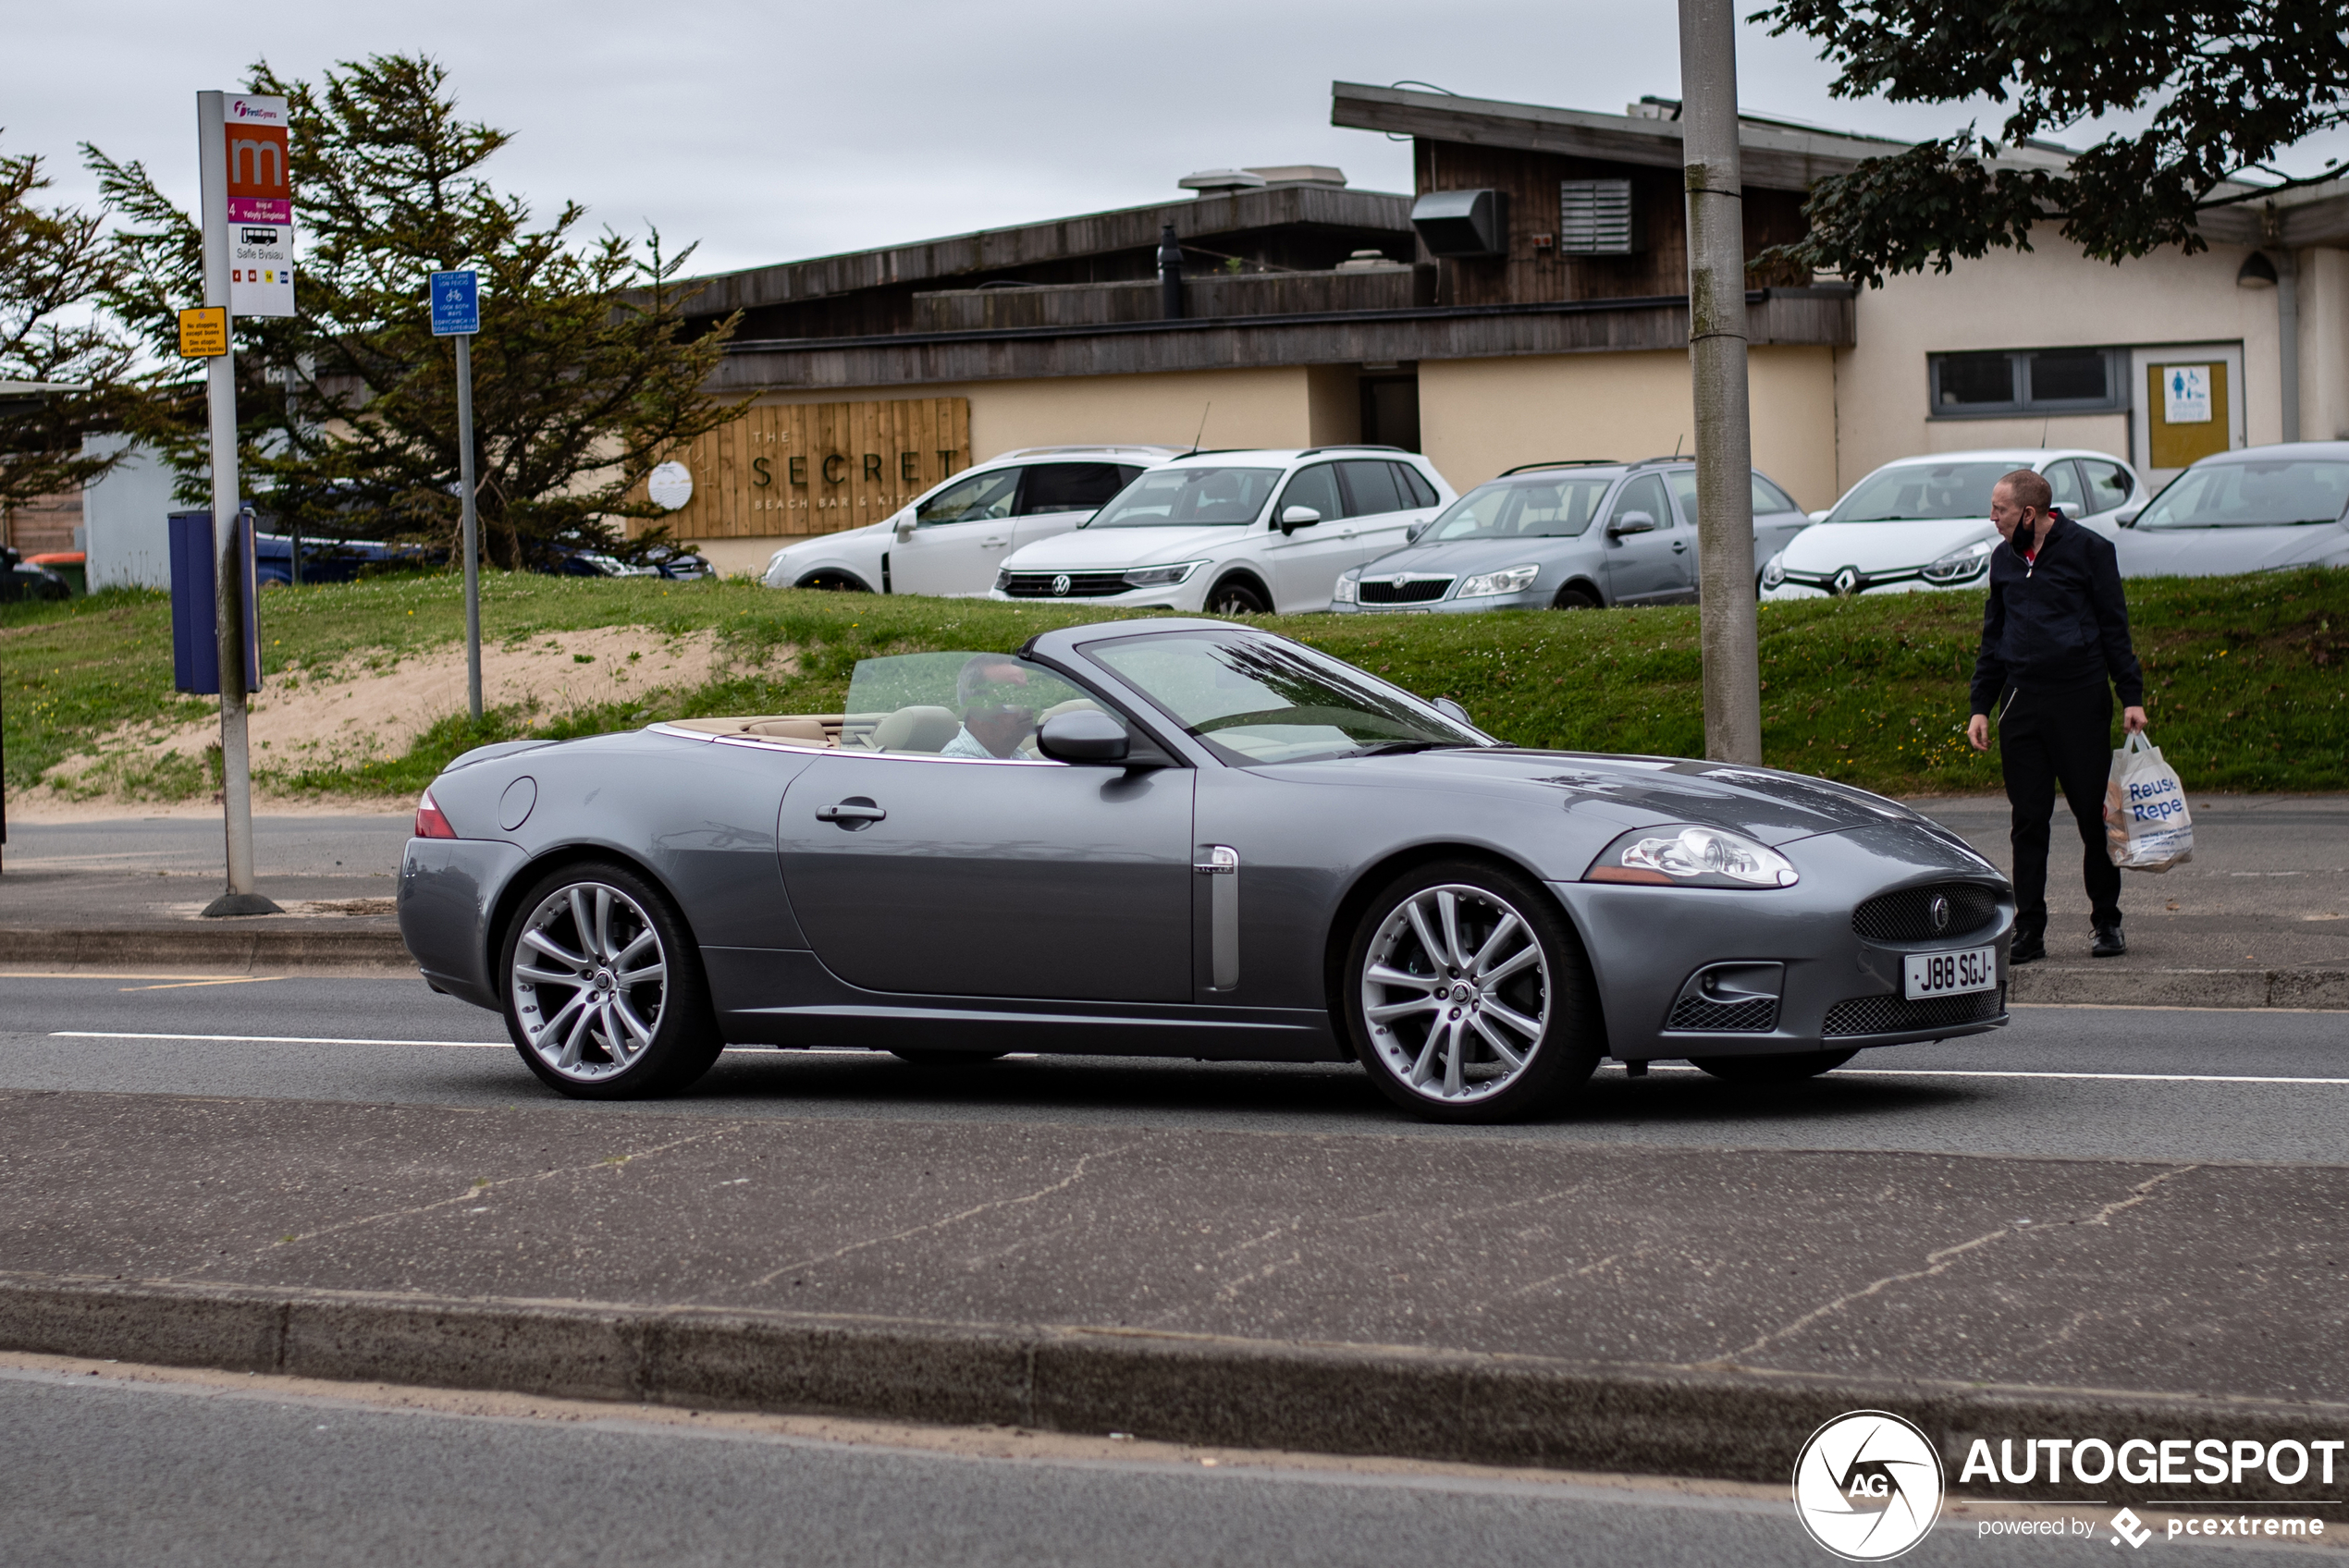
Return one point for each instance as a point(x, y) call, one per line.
point(2145, 824)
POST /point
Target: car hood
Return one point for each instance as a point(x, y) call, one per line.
point(827, 541)
point(2219, 552)
point(1469, 556)
point(1097, 547)
point(1882, 546)
point(1635, 791)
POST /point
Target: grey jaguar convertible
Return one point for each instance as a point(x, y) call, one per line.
point(1184, 838)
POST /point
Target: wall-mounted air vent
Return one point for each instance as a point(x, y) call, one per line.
point(1595, 218)
point(1462, 222)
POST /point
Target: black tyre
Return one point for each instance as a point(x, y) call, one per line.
point(1468, 996)
point(1575, 599)
point(605, 996)
point(1238, 596)
point(833, 582)
point(1791, 1068)
point(946, 1058)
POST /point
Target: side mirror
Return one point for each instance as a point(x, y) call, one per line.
point(1452, 711)
point(1630, 522)
point(1085, 736)
point(2128, 518)
point(1295, 518)
point(1819, 517)
point(904, 529)
point(1411, 534)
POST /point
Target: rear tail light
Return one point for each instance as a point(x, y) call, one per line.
point(430, 824)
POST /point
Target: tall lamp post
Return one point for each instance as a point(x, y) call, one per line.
point(1716, 364)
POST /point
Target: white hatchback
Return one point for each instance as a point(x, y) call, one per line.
point(952, 536)
point(1238, 532)
point(1925, 523)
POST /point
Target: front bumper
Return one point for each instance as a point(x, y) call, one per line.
point(1837, 989)
point(1531, 600)
point(1185, 596)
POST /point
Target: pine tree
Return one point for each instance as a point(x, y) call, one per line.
point(584, 373)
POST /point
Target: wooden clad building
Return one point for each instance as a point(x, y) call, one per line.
point(1314, 313)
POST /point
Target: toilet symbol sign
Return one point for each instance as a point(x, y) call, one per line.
point(2186, 394)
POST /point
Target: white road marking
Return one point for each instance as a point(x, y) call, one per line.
point(2011, 1072)
point(277, 1039)
point(184, 984)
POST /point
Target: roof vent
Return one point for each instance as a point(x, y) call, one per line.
point(1595, 218)
point(1301, 174)
point(1651, 107)
point(1367, 261)
point(1221, 182)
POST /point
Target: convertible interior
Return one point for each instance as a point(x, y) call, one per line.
point(922, 727)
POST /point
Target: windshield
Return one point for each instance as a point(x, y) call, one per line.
point(1923, 492)
point(2255, 494)
point(1522, 509)
point(1182, 497)
point(1262, 700)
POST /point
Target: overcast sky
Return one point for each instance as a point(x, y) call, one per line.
point(778, 132)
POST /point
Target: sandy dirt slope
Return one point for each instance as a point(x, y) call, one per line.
point(375, 706)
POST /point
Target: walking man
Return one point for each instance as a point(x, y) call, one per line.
point(2055, 643)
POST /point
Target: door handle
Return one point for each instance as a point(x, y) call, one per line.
point(854, 814)
point(992, 544)
point(1679, 546)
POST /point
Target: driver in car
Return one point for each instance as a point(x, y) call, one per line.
point(996, 724)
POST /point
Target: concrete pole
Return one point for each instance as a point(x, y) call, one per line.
point(473, 522)
point(1716, 357)
point(229, 582)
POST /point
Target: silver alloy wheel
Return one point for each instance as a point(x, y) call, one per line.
point(1455, 993)
point(590, 981)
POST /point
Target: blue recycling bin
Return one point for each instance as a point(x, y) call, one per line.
point(195, 623)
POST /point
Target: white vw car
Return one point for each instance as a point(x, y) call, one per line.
point(1236, 532)
point(955, 533)
point(1925, 523)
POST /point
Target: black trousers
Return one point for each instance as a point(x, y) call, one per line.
point(2047, 739)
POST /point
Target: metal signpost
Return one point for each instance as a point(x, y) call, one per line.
point(456, 313)
point(248, 270)
point(1716, 364)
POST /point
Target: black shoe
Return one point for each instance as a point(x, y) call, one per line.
point(2109, 943)
point(2029, 947)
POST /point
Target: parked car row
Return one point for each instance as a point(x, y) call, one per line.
point(1357, 529)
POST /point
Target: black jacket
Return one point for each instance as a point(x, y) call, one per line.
point(2058, 623)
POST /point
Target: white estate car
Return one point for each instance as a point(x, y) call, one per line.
point(1237, 533)
point(1925, 523)
point(952, 536)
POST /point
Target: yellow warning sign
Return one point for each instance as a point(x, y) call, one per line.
point(204, 333)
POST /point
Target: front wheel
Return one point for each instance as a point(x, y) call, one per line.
point(1235, 596)
point(1468, 995)
point(1575, 599)
point(1792, 1067)
point(605, 997)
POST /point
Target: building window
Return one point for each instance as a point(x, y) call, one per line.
point(2028, 381)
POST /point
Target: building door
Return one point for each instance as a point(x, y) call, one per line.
point(1391, 410)
point(2189, 405)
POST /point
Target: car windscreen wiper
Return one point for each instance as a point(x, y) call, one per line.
point(1395, 748)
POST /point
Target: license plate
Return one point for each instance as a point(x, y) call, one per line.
point(1950, 974)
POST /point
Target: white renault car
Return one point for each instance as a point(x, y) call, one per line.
point(1925, 523)
point(1236, 532)
point(952, 536)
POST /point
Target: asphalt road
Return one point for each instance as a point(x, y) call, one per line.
point(102, 1471)
point(2199, 1083)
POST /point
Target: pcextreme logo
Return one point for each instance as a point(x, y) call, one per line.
point(1868, 1486)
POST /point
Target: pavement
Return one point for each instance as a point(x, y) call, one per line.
point(2121, 1218)
point(2259, 918)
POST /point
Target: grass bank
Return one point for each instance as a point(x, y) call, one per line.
point(2244, 675)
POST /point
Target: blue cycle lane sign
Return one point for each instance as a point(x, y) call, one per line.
point(456, 304)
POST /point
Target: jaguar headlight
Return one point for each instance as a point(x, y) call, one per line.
point(1514, 580)
point(1692, 857)
point(1348, 590)
point(1960, 565)
point(1775, 573)
point(1161, 576)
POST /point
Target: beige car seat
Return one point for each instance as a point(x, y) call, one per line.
point(917, 729)
point(1074, 705)
point(809, 730)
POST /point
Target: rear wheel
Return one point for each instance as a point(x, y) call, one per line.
point(605, 997)
point(1236, 596)
point(1468, 996)
point(1791, 1068)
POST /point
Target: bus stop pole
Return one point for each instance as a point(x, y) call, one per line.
point(472, 520)
point(227, 535)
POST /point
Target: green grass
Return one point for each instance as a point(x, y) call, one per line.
point(2244, 675)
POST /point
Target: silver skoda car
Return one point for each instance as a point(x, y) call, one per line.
point(1573, 535)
